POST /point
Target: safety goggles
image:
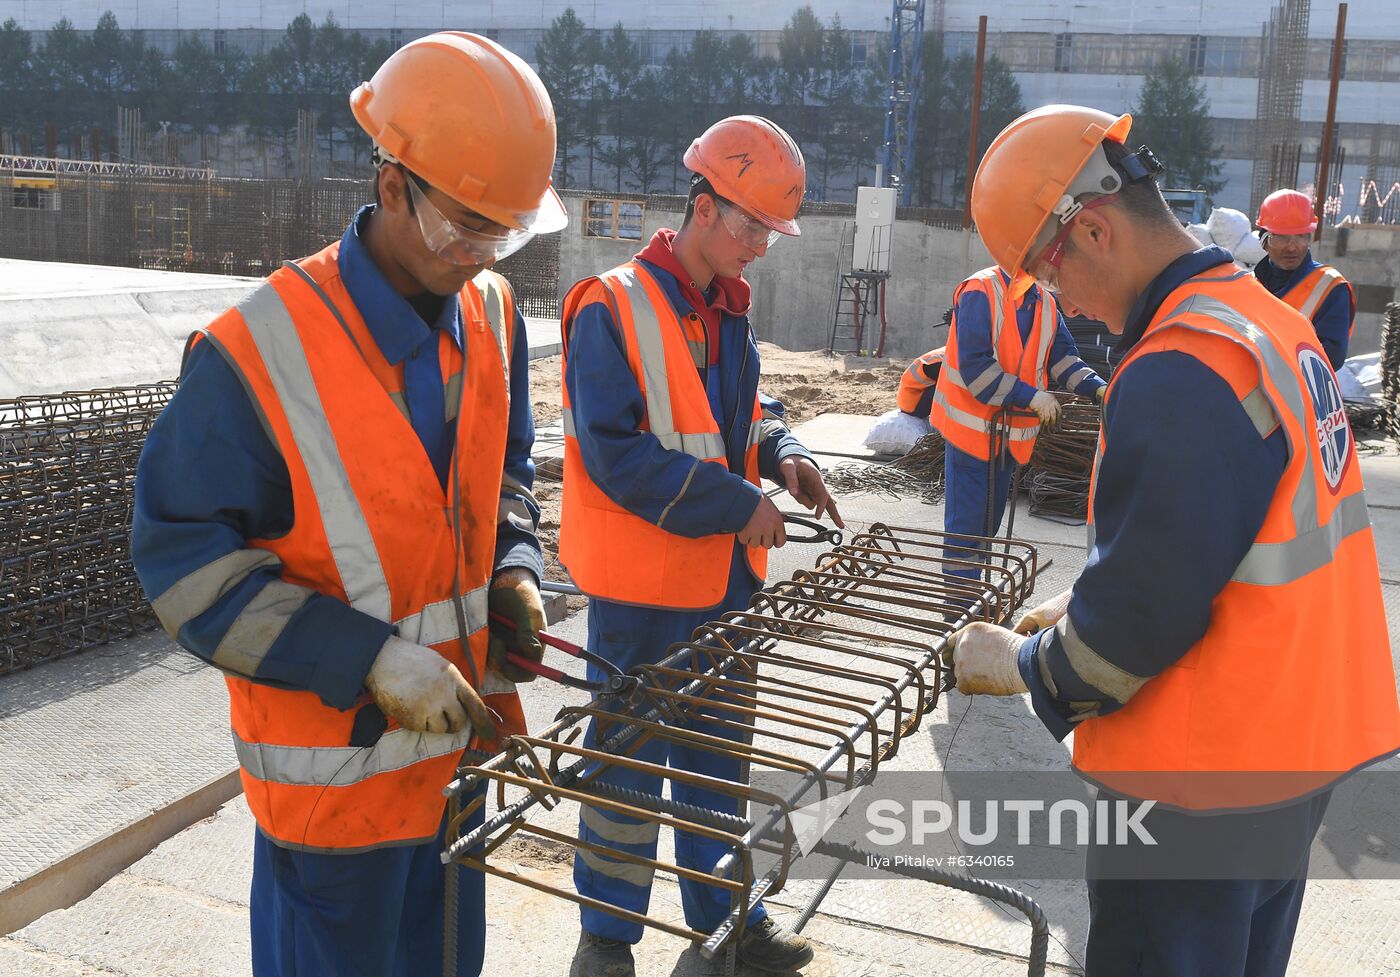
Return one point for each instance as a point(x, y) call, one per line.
point(748, 231)
point(1044, 265)
point(456, 243)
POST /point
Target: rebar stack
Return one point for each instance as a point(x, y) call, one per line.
point(1390, 370)
point(812, 687)
point(1063, 463)
point(67, 469)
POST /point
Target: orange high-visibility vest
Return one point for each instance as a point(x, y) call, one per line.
point(1293, 680)
point(920, 375)
point(965, 421)
point(1308, 295)
point(610, 552)
point(373, 527)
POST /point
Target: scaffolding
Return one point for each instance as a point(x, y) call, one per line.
point(1282, 61)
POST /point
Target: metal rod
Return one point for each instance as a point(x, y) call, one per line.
point(1324, 174)
point(976, 121)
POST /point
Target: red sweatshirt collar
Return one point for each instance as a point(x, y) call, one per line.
point(731, 295)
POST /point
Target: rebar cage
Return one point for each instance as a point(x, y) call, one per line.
point(67, 470)
point(820, 679)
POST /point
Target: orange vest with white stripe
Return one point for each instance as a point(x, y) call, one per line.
point(1292, 681)
point(610, 552)
point(962, 419)
point(373, 527)
point(916, 380)
point(1308, 295)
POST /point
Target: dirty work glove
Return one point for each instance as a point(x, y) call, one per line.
point(1045, 404)
point(515, 594)
point(1099, 394)
point(983, 659)
point(1046, 615)
point(424, 692)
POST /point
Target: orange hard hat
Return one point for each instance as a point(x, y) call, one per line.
point(754, 164)
point(471, 119)
point(1035, 169)
point(1287, 212)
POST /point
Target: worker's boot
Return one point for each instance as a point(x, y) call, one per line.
point(771, 946)
point(598, 956)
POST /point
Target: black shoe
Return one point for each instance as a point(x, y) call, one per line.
point(598, 956)
point(771, 946)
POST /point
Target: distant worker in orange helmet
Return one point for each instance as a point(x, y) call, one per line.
point(1223, 659)
point(338, 494)
point(665, 525)
point(1289, 270)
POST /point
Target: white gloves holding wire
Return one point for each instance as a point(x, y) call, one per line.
point(983, 659)
point(1046, 405)
point(424, 692)
point(1046, 615)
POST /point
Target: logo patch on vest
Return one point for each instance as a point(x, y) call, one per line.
point(1333, 431)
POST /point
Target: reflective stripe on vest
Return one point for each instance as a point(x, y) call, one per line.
point(706, 447)
point(1309, 294)
point(356, 558)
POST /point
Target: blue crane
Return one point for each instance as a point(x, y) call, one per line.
point(902, 98)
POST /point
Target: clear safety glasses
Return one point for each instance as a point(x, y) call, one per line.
point(457, 244)
point(748, 231)
point(1044, 262)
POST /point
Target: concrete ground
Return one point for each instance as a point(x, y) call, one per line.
point(151, 721)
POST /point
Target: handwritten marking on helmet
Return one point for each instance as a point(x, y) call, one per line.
point(745, 159)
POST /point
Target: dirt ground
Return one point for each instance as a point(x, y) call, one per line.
point(808, 384)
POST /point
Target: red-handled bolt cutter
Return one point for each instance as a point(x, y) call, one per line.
point(616, 683)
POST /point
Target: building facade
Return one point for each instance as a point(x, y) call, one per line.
point(1087, 51)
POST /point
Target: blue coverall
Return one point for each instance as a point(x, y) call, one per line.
point(210, 479)
point(1333, 317)
point(966, 476)
point(1183, 488)
point(636, 472)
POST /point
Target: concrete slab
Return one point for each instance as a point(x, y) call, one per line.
point(833, 436)
point(80, 327)
point(97, 751)
point(544, 337)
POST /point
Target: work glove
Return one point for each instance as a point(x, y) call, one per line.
point(1099, 394)
point(515, 594)
point(424, 692)
point(1045, 404)
point(983, 659)
point(1044, 616)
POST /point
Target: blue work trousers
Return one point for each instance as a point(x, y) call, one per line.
point(629, 636)
point(965, 480)
point(1155, 927)
point(378, 913)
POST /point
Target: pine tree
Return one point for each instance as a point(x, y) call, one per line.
point(1172, 116)
point(620, 64)
point(567, 56)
